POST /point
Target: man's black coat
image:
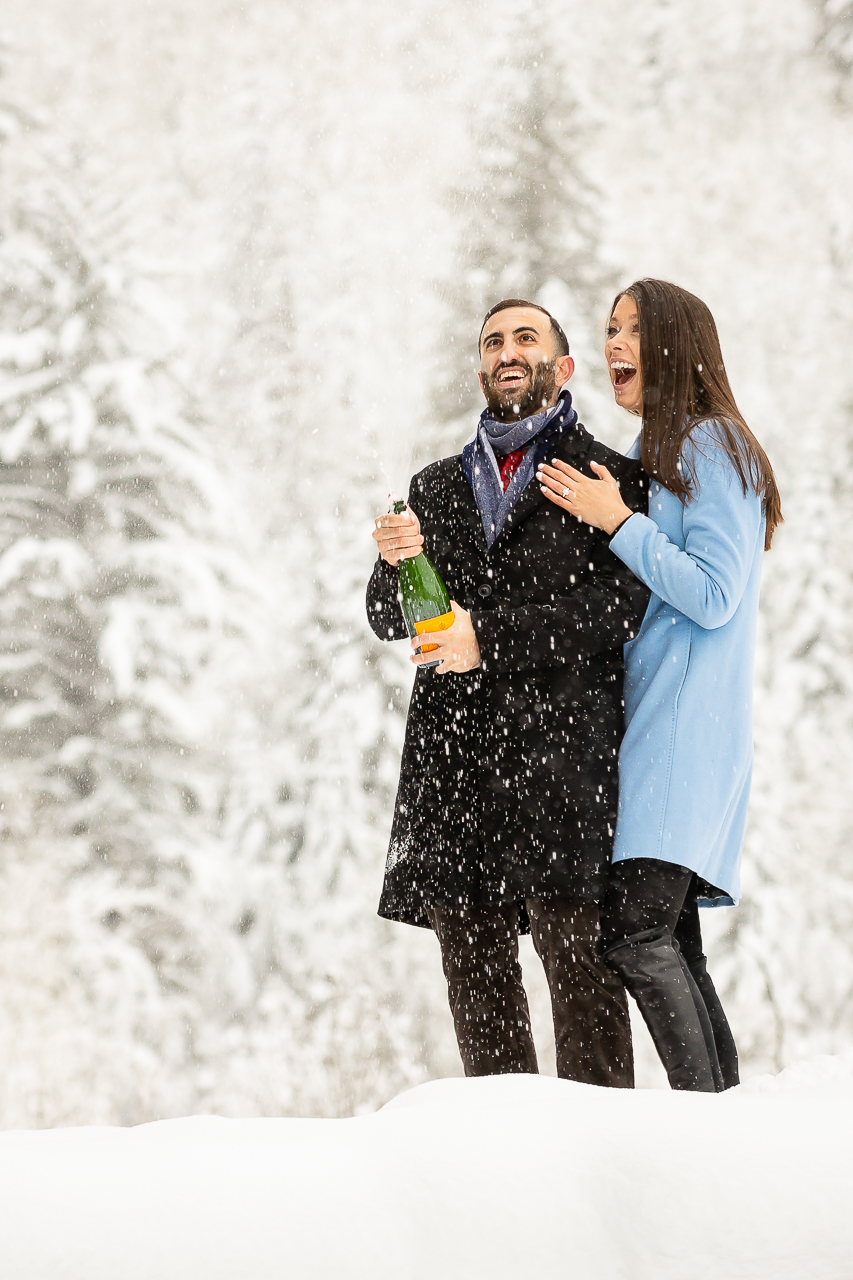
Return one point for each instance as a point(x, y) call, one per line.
point(508, 785)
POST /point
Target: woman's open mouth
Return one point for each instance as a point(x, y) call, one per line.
point(622, 372)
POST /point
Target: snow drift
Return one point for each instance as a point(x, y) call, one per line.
point(498, 1177)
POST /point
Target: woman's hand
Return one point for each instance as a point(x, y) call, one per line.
point(594, 502)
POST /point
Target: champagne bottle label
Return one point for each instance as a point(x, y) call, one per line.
point(434, 624)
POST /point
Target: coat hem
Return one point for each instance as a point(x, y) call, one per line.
point(417, 917)
point(709, 894)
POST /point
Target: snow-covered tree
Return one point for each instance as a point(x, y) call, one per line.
point(835, 38)
point(331, 196)
point(756, 220)
point(111, 598)
point(316, 400)
point(525, 209)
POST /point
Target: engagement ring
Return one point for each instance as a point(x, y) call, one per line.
point(567, 493)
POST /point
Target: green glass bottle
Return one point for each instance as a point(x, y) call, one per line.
point(423, 597)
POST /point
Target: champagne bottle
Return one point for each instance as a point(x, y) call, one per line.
point(423, 597)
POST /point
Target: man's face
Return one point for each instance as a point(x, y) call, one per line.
point(520, 371)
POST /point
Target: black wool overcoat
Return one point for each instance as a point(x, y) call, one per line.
point(508, 785)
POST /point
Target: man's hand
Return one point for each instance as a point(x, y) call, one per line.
point(457, 648)
point(398, 537)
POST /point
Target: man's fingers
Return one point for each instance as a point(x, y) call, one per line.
point(398, 537)
point(444, 660)
point(394, 549)
point(393, 520)
point(398, 534)
point(395, 555)
point(391, 543)
point(450, 663)
point(397, 540)
point(430, 637)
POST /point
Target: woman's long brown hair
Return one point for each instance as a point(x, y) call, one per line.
point(685, 383)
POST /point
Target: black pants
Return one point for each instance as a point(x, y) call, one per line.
point(645, 893)
point(479, 951)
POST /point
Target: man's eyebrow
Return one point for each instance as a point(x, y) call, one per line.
point(498, 333)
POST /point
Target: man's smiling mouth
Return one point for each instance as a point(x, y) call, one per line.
point(512, 376)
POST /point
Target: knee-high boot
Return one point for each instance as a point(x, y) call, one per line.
point(722, 1032)
point(650, 966)
point(704, 1020)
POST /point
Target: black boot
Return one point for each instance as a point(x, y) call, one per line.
point(704, 1020)
point(650, 966)
point(723, 1038)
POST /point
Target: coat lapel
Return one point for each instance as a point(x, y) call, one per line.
point(467, 511)
point(527, 503)
point(572, 447)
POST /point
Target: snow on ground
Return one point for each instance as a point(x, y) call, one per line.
point(507, 1176)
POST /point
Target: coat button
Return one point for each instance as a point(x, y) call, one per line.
point(484, 590)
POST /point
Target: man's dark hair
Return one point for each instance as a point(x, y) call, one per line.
point(560, 338)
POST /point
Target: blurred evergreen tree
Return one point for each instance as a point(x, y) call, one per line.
point(528, 215)
point(835, 38)
point(308, 389)
point(112, 594)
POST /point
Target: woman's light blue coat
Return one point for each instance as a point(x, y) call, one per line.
point(686, 760)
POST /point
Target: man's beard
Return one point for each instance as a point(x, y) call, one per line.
point(512, 404)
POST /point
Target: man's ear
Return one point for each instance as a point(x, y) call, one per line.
point(563, 370)
point(480, 380)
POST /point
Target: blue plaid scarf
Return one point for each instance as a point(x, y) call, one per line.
point(496, 439)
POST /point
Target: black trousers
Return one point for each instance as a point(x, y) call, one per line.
point(479, 951)
point(645, 893)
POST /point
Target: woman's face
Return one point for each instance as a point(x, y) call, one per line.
point(622, 353)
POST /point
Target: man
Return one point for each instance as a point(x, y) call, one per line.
point(507, 800)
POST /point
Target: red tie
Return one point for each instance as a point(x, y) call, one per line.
point(510, 463)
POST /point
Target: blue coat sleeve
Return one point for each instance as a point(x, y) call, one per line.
point(706, 580)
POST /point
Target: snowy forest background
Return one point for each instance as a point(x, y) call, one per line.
point(244, 249)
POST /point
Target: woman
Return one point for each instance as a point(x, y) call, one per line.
point(686, 759)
